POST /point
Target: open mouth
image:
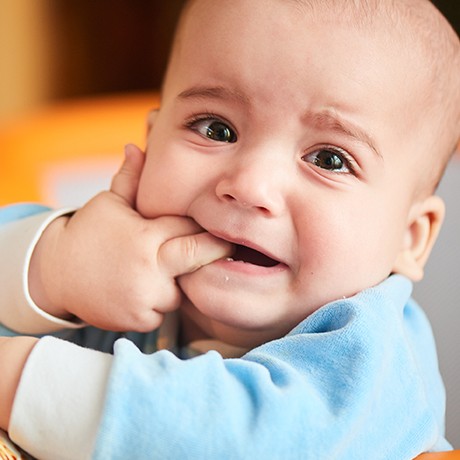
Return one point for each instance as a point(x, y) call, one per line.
point(251, 256)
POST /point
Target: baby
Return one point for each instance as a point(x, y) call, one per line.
point(289, 172)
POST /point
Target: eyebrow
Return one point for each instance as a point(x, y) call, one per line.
point(214, 92)
point(329, 119)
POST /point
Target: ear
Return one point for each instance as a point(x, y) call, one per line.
point(425, 222)
point(151, 117)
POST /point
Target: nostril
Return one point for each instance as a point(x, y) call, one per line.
point(228, 197)
point(250, 195)
point(243, 203)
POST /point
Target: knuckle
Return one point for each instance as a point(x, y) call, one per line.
point(190, 248)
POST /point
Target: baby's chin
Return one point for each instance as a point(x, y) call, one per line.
point(221, 320)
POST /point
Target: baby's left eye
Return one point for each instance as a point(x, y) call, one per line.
point(214, 129)
point(329, 159)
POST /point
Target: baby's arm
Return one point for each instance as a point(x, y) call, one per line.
point(20, 228)
point(13, 356)
point(110, 267)
point(296, 397)
point(64, 379)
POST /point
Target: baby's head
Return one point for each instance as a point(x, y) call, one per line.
point(416, 29)
point(311, 134)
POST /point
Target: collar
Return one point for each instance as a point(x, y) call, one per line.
point(168, 334)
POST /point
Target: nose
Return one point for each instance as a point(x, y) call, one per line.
point(256, 182)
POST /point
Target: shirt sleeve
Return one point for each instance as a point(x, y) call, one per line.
point(346, 383)
point(63, 387)
point(20, 229)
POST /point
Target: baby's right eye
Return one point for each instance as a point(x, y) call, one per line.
point(214, 129)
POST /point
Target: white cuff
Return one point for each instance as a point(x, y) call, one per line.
point(18, 311)
point(59, 400)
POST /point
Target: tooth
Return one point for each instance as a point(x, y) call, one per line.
point(229, 259)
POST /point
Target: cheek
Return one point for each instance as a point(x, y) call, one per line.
point(352, 245)
point(169, 181)
point(158, 187)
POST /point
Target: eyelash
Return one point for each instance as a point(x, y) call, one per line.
point(211, 118)
point(347, 159)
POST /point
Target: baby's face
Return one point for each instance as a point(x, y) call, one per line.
point(289, 136)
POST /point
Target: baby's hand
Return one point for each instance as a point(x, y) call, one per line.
point(112, 268)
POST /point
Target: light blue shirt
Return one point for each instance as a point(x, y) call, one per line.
point(357, 379)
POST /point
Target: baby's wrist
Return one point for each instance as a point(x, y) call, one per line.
point(43, 274)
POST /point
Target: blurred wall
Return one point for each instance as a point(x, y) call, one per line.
point(26, 55)
point(57, 49)
point(439, 295)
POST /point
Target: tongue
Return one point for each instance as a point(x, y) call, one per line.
point(251, 256)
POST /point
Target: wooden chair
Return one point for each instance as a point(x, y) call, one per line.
point(451, 455)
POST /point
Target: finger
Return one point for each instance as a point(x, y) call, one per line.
point(171, 298)
point(147, 320)
point(187, 254)
point(126, 180)
point(168, 227)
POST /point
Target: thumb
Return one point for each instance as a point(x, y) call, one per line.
point(126, 180)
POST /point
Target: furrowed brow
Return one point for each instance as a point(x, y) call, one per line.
point(329, 120)
point(214, 92)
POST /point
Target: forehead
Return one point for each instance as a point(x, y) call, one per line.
point(357, 14)
point(277, 46)
point(278, 29)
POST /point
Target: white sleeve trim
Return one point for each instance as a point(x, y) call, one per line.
point(59, 401)
point(18, 311)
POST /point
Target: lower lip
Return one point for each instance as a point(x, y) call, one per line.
point(249, 269)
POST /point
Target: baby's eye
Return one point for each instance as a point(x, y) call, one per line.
point(329, 159)
point(214, 129)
